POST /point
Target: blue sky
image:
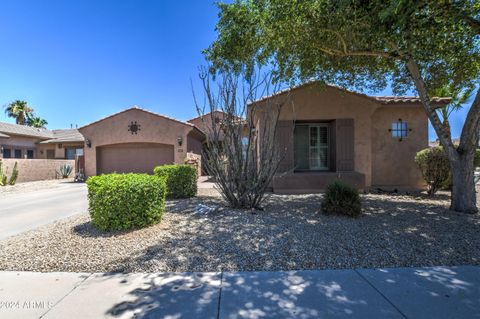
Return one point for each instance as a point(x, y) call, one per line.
point(78, 61)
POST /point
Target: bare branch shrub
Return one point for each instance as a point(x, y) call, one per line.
point(241, 153)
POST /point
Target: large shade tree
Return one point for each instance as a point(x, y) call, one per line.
point(421, 45)
point(19, 110)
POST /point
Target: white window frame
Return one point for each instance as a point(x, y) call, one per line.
point(327, 146)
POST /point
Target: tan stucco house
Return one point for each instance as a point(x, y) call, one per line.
point(24, 142)
point(137, 140)
point(329, 133)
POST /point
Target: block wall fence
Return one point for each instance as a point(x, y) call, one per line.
point(30, 170)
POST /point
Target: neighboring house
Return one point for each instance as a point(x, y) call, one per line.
point(329, 133)
point(25, 142)
point(137, 140)
point(205, 121)
point(436, 143)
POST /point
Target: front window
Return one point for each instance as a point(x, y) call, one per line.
point(244, 146)
point(399, 129)
point(311, 143)
point(30, 154)
point(7, 153)
point(70, 153)
point(18, 153)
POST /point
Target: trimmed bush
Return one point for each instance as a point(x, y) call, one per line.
point(181, 180)
point(342, 199)
point(126, 201)
point(435, 168)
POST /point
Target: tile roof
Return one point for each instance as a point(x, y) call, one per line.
point(409, 99)
point(15, 129)
point(381, 99)
point(64, 136)
point(135, 107)
point(47, 136)
point(205, 115)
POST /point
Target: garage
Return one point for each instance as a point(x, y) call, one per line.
point(136, 140)
point(133, 157)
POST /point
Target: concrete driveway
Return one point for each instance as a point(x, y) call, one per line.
point(24, 211)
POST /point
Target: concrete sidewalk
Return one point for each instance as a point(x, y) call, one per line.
point(437, 292)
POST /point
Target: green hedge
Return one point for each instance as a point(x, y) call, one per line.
point(126, 201)
point(342, 199)
point(181, 180)
point(435, 167)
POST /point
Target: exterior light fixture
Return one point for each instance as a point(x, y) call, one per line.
point(88, 143)
point(179, 141)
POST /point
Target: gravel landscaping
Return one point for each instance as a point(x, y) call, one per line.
point(290, 233)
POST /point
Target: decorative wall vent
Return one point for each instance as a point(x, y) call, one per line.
point(134, 128)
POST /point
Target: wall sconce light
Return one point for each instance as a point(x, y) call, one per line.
point(41, 152)
point(1, 150)
point(179, 141)
point(88, 143)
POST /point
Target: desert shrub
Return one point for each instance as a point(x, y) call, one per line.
point(13, 178)
point(434, 166)
point(4, 181)
point(65, 170)
point(125, 201)
point(343, 199)
point(181, 180)
point(3, 176)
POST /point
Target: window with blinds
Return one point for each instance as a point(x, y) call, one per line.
point(311, 146)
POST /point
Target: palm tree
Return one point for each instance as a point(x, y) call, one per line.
point(19, 110)
point(36, 121)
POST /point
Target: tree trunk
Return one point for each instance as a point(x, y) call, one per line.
point(464, 197)
point(462, 157)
